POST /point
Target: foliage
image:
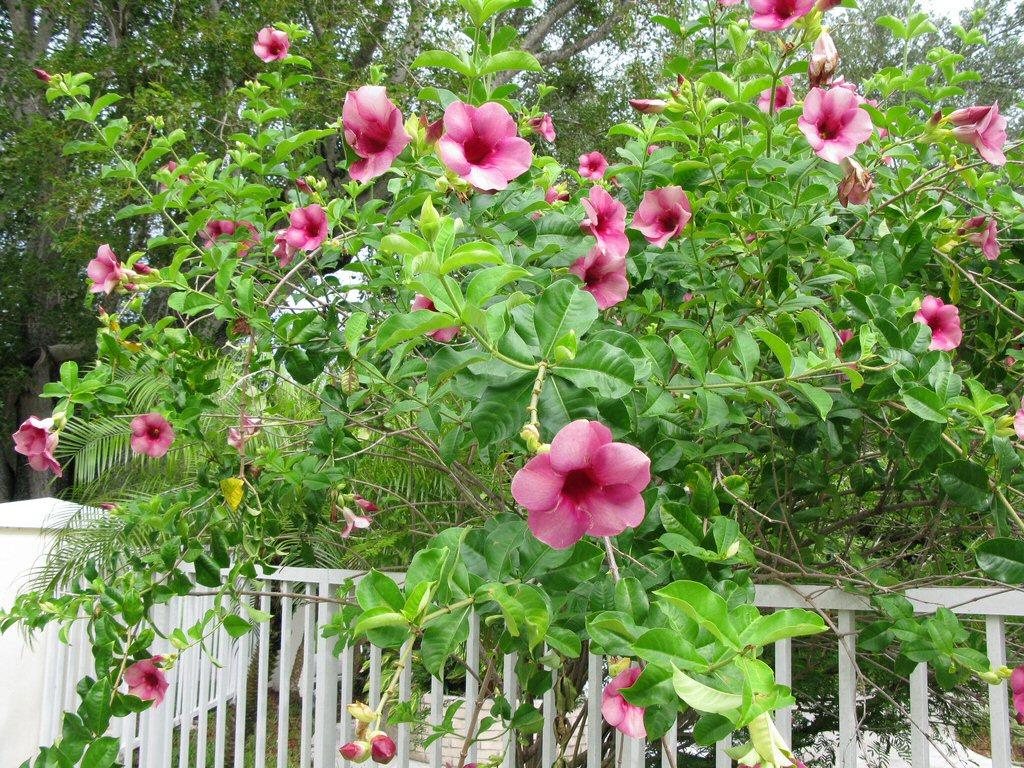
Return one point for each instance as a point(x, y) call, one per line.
point(771, 360)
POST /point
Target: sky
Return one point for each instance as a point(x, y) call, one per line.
point(947, 7)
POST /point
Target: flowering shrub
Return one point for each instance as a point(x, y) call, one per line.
point(619, 366)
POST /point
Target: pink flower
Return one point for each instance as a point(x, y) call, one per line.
point(152, 435)
point(146, 680)
point(619, 713)
point(649, 106)
point(687, 297)
point(652, 148)
point(382, 748)
point(307, 228)
point(356, 751)
point(271, 44)
point(218, 228)
point(42, 74)
point(944, 320)
point(856, 186)
point(773, 15)
point(783, 96)
point(726, 3)
point(984, 128)
point(1018, 427)
point(1017, 677)
point(373, 128)
point(543, 126)
point(982, 231)
point(354, 521)
point(105, 271)
point(593, 165)
point(282, 251)
point(586, 484)
point(603, 275)
point(834, 123)
point(824, 60)
point(555, 195)
point(249, 427)
point(481, 146)
point(841, 82)
point(365, 504)
point(606, 221)
point(36, 440)
point(845, 334)
point(441, 334)
point(662, 215)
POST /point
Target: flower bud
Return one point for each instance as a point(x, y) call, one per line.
point(856, 186)
point(382, 748)
point(42, 74)
point(531, 436)
point(824, 60)
point(430, 220)
point(649, 106)
point(356, 751)
point(362, 712)
point(618, 664)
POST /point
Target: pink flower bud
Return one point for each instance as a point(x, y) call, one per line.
point(649, 106)
point(382, 748)
point(42, 74)
point(356, 751)
point(824, 60)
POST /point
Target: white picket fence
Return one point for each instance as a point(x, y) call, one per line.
point(204, 696)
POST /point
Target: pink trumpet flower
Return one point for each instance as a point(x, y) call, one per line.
point(606, 221)
point(834, 123)
point(586, 484)
point(662, 215)
point(984, 128)
point(944, 321)
point(152, 435)
point(593, 166)
point(774, 15)
point(783, 96)
point(271, 44)
point(619, 713)
point(36, 440)
point(146, 680)
point(481, 146)
point(603, 275)
point(373, 127)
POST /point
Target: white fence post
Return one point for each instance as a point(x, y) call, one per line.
point(998, 707)
point(846, 754)
point(920, 726)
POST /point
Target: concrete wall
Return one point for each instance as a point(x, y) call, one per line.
point(23, 535)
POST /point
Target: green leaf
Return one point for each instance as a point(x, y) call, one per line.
point(965, 482)
point(487, 282)
point(671, 648)
point(440, 638)
point(355, 327)
point(399, 328)
point(790, 622)
point(375, 618)
point(631, 599)
point(778, 347)
point(101, 753)
point(444, 60)
point(375, 590)
point(693, 350)
point(236, 626)
point(924, 404)
point(1002, 559)
point(562, 309)
point(601, 367)
point(705, 607)
point(510, 60)
point(819, 398)
point(471, 253)
point(703, 697)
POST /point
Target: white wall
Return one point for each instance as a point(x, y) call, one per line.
point(23, 534)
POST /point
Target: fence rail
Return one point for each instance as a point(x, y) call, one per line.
point(305, 692)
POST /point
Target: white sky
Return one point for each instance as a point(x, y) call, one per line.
point(947, 7)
